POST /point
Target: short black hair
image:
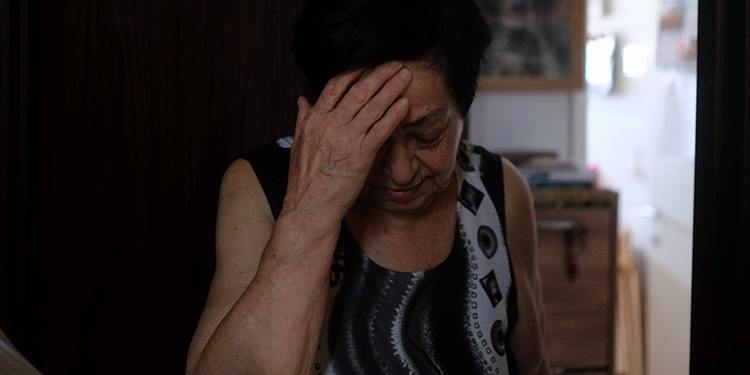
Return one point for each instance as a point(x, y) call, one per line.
point(334, 36)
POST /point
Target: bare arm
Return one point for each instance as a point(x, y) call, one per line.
point(250, 319)
point(267, 300)
point(528, 337)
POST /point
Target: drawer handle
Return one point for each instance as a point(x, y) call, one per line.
point(574, 234)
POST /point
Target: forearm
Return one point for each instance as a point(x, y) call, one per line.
point(275, 325)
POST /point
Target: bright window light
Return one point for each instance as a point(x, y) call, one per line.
point(599, 67)
point(635, 60)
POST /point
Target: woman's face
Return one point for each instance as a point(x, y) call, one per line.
point(416, 165)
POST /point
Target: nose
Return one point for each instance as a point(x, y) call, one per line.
point(399, 162)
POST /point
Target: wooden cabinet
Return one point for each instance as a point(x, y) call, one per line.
point(577, 230)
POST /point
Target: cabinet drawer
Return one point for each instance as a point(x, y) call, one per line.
point(577, 340)
point(579, 299)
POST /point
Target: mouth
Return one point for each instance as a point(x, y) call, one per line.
point(402, 195)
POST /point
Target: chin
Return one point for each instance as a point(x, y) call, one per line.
point(403, 208)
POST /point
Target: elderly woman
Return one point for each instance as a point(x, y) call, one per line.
point(376, 241)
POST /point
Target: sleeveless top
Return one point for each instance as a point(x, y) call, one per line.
point(455, 318)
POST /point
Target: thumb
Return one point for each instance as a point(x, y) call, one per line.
point(303, 106)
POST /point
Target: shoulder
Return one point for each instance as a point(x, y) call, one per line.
point(240, 182)
point(516, 199)
point(517, 191)
point(270, 165)
point(238, 176)
point(519, 215)
point(242, 204)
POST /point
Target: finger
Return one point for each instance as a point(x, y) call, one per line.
point(382, 130)
point(378, 105)
point(303, 106)
point(361, 92)
point(335, 88)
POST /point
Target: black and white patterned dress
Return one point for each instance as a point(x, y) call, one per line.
point(455, 318)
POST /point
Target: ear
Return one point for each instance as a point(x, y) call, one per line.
point(460, 127)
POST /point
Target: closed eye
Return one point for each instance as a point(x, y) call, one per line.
point(428, 139)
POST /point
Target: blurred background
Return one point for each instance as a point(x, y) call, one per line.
point(119, 118)
point(633, 128)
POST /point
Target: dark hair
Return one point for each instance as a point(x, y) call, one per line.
point(334, 36)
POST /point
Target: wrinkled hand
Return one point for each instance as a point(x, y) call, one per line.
point(336, 140)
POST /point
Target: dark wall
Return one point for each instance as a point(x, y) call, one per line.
point(111, 166)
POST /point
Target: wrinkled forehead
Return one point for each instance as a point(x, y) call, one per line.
point(426, 92)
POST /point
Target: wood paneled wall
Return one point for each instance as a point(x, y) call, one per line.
point(135, 108)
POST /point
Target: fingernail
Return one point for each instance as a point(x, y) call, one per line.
point(404, 73)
